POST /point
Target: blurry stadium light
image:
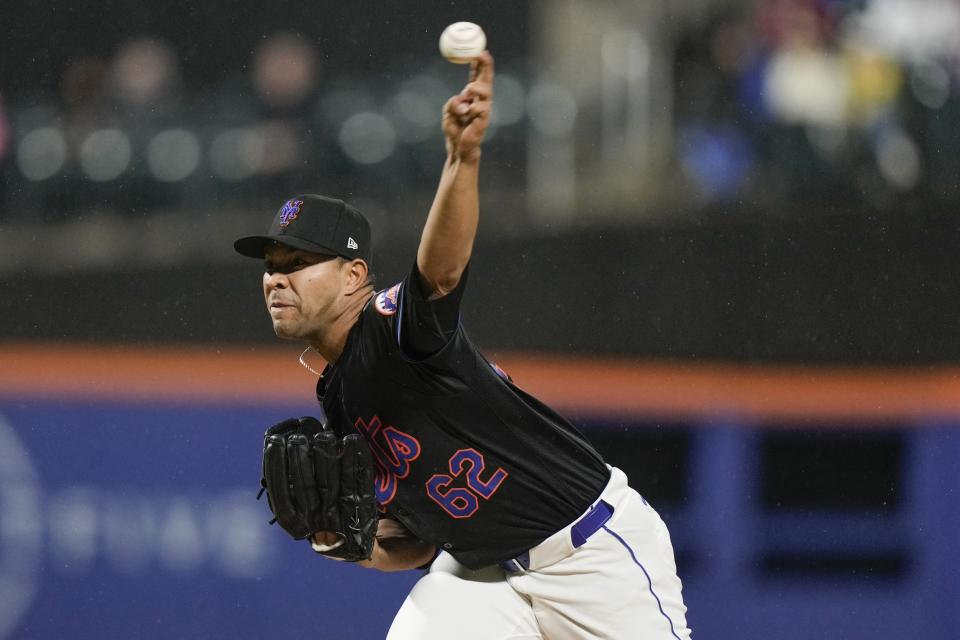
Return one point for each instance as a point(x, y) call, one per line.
point(181, 539)
point(510, 99)
point(41, 153)
point(898, 159)
point(21, 549)
point(807, 87)
point(128, 557)
point(285, 69)
point(173, 155)
point(144, 71)
point(829, 141)
point(105, 154)
point(717, 159)
point(77, 538)
point(552, 109)
point(551, 157)
point(626, 94)
point(415, 118)
point(930, 84)
point(912, 29)
point(338, 105)
point(282, 147)
point(236, 154)
point(432, 90)
point(367, 138)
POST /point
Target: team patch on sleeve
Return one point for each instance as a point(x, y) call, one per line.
point(386, 302)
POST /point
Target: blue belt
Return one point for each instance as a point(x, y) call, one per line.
point(579, 533)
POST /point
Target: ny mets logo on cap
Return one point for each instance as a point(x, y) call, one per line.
point(290, 211)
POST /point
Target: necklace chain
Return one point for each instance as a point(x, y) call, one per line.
point(304, 362)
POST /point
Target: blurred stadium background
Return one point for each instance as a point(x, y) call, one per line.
point(720, 234)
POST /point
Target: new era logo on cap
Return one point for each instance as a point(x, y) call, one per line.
point(351, 243)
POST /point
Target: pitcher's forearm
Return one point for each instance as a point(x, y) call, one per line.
point(451, 226)
point(399, 554)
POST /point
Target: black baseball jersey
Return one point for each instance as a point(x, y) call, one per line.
point(465, 459)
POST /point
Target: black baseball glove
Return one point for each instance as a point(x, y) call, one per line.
point(317, 483)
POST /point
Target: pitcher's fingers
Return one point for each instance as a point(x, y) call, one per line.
point(481, 68)
point(458, 105)
point(480, 90)
point(479, 109)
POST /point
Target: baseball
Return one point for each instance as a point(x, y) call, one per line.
point(461, 42)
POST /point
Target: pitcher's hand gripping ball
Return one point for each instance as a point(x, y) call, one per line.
point(316, 483)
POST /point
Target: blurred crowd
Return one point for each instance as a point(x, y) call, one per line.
point(810, 102)
point(125, 135)
point(822, 102)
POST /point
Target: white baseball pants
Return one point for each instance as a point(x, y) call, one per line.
point(621, 584)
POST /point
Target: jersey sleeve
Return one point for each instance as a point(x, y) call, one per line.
point(426, 326)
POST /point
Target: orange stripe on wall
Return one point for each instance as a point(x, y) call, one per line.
point(759, 392)
point(585, 386)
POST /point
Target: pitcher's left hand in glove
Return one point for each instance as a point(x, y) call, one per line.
point(317, 484)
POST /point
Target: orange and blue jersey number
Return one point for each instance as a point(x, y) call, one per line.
point(463, 501)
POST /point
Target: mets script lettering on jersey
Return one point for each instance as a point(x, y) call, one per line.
point(393, 452)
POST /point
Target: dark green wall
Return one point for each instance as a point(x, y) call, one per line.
point(841, 289)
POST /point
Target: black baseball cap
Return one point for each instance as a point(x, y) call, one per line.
point(314, 223)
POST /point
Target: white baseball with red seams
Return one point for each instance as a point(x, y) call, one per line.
point(461, 42)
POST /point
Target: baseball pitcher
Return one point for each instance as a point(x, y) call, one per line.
point(425, 455)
